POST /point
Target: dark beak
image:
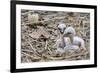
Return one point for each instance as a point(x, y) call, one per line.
point(61, 32)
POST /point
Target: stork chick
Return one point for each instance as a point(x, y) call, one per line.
point(75, 40)
point(61, 28)
point(60, 42)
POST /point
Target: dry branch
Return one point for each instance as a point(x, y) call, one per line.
point(26, 54)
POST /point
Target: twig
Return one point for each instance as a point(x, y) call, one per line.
point(34, 50)
point(31, 46)
point(60, 58)
point(80, 54)
point(56, 58)
point(46, 44)
point(30, 56)
point(49, 50)
point(26, 50)
point(29, 43)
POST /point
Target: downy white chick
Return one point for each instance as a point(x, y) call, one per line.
point(76, 42)
point(60, 42)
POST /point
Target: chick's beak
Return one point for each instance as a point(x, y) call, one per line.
point(62, 32)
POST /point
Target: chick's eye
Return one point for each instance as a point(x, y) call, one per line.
point(64, 28)
point(59, 28)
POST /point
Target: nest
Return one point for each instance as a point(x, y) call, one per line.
point(39, 34)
